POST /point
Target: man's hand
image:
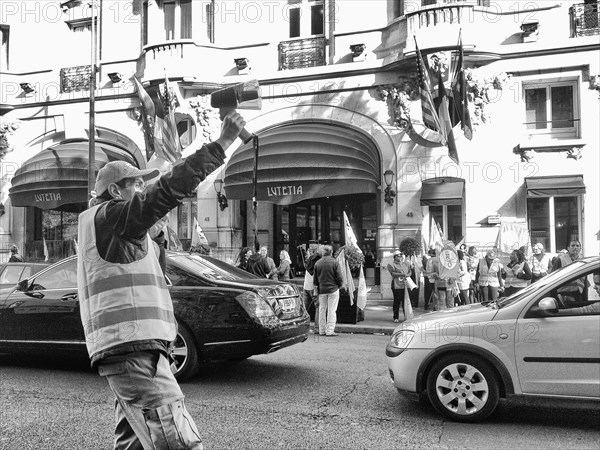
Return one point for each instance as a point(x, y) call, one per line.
point(233, 123)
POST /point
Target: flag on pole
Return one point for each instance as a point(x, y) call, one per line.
point(46, 253)
point(445, 122)
point(448, 261)
point(430, 117)
point(435, 237)
point(361, 301)
point(148, 117)
point(512, 236)
point(408, 311)
point(349, 235)
point(198, 236)
point(166, 138)
point(459, 93)
point(347, 280)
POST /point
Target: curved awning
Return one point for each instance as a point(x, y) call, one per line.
point(442, 191)
point(552, 186)
point(305, 160)
point(57, 177)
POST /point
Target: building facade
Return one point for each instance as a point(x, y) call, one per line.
point(339, 85)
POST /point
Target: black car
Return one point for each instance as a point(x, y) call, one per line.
point(223, 313)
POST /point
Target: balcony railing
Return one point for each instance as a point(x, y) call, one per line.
point(301, 53)
point(75, 78)
point(584, 20)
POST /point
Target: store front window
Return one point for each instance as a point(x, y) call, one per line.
point(50, 234)
point(554, 221)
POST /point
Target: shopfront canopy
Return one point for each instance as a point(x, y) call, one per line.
point(566, 185)
point(57, 177)
point(442, 191)
point(302, 161)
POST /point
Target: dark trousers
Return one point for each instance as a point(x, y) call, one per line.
point(428, 291)
point(398, 301)
point(488, 293)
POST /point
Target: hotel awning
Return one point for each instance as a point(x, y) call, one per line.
point(555, 186)
point(305, 160)
point(443, 191)
point(57, 177)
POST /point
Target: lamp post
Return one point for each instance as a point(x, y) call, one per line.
point(92, 118)
point(388, 177)
point(218, 185)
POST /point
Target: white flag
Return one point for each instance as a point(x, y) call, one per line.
point(46, 255)
point(408, 311)
point(512, 236)
point(350, 237)
point(198, 237)
point(361, 301)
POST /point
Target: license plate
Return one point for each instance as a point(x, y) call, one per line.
point(287, 304)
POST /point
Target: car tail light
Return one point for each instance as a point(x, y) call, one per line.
point(255, 305)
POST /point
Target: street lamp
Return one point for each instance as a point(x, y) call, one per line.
point(218, 185)
point(388, 177)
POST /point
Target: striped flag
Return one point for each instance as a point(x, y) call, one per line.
point(166, 138)
point(430, 117)
point(445, 122)
point(459, 93)
point(148, 117)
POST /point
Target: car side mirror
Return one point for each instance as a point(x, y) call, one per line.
point(23, 285)
point(546, 307)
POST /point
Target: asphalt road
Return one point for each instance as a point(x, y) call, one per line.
point(329, 393)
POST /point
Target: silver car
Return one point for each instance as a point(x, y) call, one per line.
point(542, 341)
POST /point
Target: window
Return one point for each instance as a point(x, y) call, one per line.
point(398, 8)
point(186, 213)
point(554, 210)
point(62, 276)
point(306, 18)
point(554, 221)
point(177, 19)
point(551, 109)
point(450, 219)
point(4, 51)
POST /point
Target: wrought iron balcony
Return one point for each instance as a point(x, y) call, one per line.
point(585, 19)
point(75, 78)
point(301, 53)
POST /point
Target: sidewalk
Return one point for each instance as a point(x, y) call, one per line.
point(378, 319)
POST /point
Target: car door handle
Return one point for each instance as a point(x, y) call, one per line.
point(71, 296)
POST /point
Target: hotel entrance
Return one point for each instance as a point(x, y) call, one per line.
point(321, 221)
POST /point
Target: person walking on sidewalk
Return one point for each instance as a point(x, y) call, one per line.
point(314, 254)
point(328, 280)
point(399, 269)
point(121, 287)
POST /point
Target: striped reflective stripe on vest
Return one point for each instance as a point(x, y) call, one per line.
point(488, 276)
point(121, 303)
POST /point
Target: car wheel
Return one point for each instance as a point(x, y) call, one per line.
point(463, 388)
point(184, 354)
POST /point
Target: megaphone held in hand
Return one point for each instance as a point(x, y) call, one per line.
point(237, 96)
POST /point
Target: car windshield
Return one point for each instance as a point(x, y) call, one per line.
point(209, 268)
point(561, 273)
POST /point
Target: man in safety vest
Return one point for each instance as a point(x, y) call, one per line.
point(126, 309)
point(573, 291)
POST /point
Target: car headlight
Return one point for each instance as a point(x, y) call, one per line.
point(401, 338)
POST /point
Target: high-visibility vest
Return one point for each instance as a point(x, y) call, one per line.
point(512, 280)
point(489, 276)
point(120, 303)
point(539, 266)
point(575, 285)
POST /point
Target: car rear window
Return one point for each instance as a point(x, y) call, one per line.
point(207, 269)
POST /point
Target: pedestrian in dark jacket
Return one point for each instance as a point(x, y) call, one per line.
point(328, 280)
point(125, 306)
point(258, 265)
point(14, 255)
point(245, 253)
